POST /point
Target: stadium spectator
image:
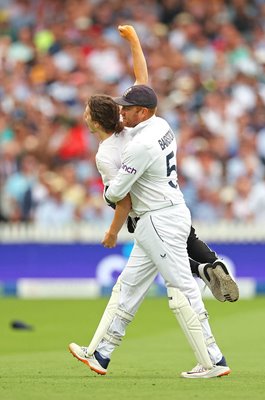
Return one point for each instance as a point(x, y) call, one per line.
point(206, 62)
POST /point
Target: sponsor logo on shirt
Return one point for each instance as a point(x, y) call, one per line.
point(165, 141)
point(129, 170)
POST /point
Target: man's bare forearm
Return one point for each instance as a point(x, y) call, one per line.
point(122, 210)
point(139, 61)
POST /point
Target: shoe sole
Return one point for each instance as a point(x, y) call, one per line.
point(229, 287)
point(85, 361)
point(195, 376)
point(211, 280)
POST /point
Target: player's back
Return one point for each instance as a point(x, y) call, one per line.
point(151, 157)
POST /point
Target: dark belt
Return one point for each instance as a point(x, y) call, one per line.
point(131, 223)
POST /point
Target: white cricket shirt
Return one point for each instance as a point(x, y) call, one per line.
point(148, 168)
point(108, 157)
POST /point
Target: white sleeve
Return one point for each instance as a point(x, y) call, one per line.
point(135, 160)
point(107, 170)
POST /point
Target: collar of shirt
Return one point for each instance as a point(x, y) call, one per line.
point(141, 125)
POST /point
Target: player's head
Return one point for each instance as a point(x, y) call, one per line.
point(138, 103)
point(102, 113)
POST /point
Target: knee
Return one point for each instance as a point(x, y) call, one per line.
point(176, 299)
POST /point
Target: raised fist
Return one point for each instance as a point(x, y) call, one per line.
point(127, 32)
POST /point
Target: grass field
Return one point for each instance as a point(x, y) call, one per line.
point(36, 364)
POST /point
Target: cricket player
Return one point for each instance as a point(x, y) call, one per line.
point(153, 234)
point(207, 266)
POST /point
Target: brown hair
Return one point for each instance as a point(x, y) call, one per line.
point(106, 112)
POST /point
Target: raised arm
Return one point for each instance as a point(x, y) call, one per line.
point(139, 61)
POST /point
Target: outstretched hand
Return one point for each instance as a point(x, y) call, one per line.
point(127, 32)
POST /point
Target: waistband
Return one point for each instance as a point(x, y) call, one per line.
point(160, 210)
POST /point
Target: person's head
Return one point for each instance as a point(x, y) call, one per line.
point(103, 114)
point(138, 103)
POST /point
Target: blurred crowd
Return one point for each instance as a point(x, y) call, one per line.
point(206, 62)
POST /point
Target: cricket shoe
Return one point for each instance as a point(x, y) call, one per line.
point(95, 361)
point(206, 273)
point(228, 286)
point(199, 372)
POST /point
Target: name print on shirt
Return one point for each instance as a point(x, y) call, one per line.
point(165, 141)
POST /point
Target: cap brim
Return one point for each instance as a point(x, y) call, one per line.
point(122, 102)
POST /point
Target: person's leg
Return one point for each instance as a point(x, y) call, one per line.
point(127, 295)
point(168, 252)
point(135, 280)
point(206, 273)
point(201, 263)
point(205, 264)
point(194, 266)
point(106, 318)
point(163, 235)
point(199, 250)
point(114, 299)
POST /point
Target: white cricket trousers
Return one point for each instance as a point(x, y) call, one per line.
point(160, 247)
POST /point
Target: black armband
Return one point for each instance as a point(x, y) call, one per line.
point(112, 205)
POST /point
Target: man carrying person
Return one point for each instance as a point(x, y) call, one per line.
point(148, 173)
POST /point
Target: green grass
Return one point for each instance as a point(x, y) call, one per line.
point(36, 364)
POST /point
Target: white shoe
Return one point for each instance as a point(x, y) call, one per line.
point(81, 354)
point(199, 372)
point(228, 286)
point(206, 273)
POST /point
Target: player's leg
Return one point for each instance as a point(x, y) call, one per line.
point(110, 311)
point(198, 249)
point(126, 297)
point(163, 235)
point(163, 238)
point(190, 325)
point(211, 269)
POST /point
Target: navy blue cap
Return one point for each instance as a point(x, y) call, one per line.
point(138, 95)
